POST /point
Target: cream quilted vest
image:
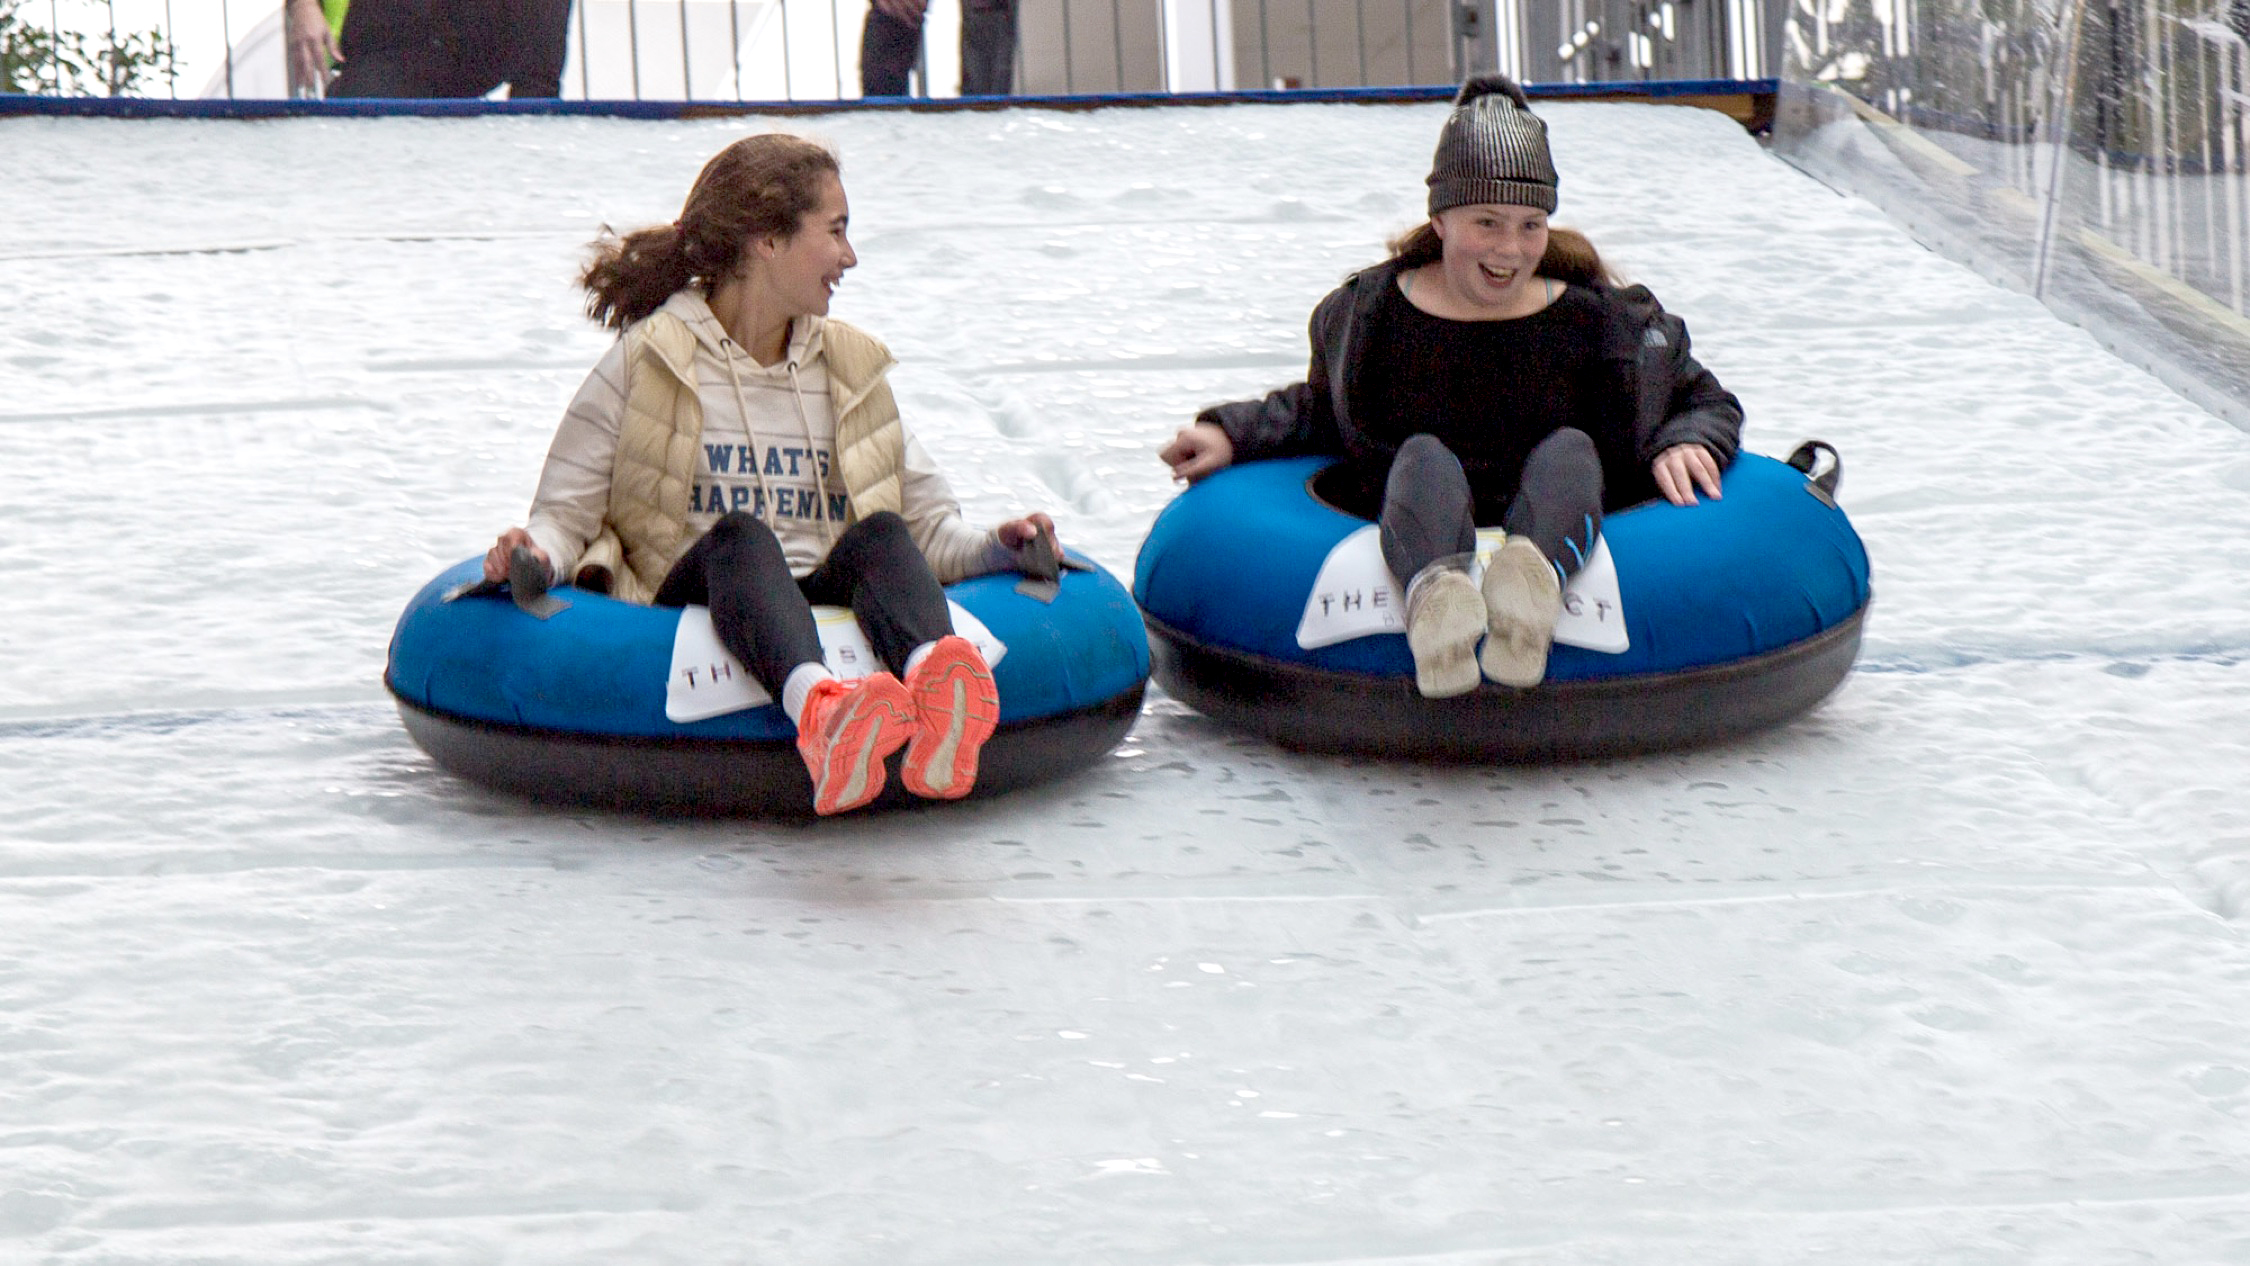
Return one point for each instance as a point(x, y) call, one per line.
point(645, 529)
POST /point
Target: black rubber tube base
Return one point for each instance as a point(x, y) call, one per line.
point(1316, 710)
point(734, 778)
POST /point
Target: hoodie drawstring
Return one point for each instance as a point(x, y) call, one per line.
point(742, 407)
point(820, 470)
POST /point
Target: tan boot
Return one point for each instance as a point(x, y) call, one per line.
point(1522, 601)
point(1444, 617)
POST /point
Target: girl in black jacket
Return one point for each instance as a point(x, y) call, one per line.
point(1488, 372)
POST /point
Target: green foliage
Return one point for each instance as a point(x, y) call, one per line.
point(36, 59)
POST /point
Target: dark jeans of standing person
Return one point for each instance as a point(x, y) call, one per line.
point(759, 610)
point(988, 47)
point(889, 49)
point(453, 48)
point(1427, 508)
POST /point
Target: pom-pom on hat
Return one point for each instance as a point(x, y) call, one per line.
point(1493, 149)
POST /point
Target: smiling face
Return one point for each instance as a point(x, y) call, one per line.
point(1492, 251)
point(801, 271)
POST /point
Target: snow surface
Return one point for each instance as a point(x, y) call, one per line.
point(1951, 970)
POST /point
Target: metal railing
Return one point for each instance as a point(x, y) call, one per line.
point(808, 50)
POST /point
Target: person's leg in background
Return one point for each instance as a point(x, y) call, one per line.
point(534, 41)
point(384, 73)
point(988, 47)
point(414, 48)
point(889, 46)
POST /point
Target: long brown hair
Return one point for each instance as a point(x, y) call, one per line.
point(1570, 256)
point(759, 185)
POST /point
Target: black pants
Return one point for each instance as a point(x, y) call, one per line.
point(889, 49)
point(453, 48)
point(763, 615)
point(1427, 507)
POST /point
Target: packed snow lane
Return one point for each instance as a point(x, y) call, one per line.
point(1952, 968)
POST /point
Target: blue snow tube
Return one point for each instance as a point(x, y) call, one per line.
point(1739, 613)
point(571, 708)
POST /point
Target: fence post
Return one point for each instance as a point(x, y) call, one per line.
point(734, 44)
point(687, 72)
point(1454, 12)
point(585, 59)
point(1070, 79)
point(633, 42)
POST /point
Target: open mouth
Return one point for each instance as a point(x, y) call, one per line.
point(1497, 276)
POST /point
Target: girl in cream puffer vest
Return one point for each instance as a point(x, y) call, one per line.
point(738, 450)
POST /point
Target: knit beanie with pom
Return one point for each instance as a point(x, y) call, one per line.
point(1493, 149)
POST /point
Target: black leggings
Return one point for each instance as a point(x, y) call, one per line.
point(763, 615)
point(1427, 507)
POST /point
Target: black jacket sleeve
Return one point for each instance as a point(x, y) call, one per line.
point(1680, 402)
point(1299, 418)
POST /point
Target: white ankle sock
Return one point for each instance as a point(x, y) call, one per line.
point(802, 679)
point(915, 657)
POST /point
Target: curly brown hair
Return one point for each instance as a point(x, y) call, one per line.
point(758, 186)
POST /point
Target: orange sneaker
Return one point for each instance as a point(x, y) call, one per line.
point(845, 733)
point(956, 708)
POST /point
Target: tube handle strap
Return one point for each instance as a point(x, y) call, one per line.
point(1824, 475)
